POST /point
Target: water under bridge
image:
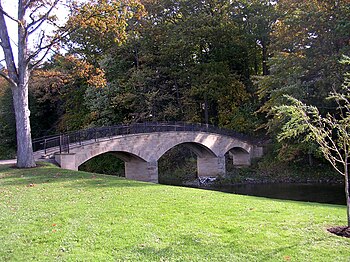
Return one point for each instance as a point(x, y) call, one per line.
point(141, 145)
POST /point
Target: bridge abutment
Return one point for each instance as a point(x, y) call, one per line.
point(210, 166)
point(66, 161)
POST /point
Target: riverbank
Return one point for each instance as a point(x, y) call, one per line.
point(265, 171)
point(54, 214)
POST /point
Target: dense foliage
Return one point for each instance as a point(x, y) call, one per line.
point(331, 132)
point(226, 63)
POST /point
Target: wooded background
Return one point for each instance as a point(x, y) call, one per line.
point(227, 63)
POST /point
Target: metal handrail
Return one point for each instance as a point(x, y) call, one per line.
point(66, 141)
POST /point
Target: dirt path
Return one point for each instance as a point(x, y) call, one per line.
point(8, 162)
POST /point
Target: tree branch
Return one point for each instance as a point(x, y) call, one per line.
point(9, 16)
point(7, 49)
point(36, 24)
point(7, 78)
point(27, 5)
point(31, 15)
point(34, 65)
point(47, 48)
point(334, 165)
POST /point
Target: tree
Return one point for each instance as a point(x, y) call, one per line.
point(258, 19)
point(7, 122)
point(56, 90)
point(99, 25)
point(32, 15)
point(307, 40)
point(331, 132)
point(29, 20)
point(176, 63)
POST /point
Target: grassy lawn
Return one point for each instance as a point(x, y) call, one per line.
point(49, 214)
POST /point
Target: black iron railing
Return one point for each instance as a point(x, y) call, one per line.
point(64, 142)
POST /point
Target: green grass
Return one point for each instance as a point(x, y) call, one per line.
point(49, 214)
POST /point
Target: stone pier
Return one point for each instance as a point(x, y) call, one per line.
point(142, 171)
point(211, 166)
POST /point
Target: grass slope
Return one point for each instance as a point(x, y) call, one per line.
point(49, 214)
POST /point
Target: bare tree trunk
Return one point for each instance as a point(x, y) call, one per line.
point(25, 156)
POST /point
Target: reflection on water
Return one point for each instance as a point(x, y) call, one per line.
point(321, 193)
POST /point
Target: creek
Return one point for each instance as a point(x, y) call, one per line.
point(320, 193)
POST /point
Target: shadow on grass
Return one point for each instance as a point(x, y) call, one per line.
point(175, 248)
point(192, 244)
point(49, 173)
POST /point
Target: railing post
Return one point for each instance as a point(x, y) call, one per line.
point(68, 141)
point(60, 143)
point(95, 135)
point(45, 146)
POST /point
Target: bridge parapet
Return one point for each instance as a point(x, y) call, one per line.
point(64, 142)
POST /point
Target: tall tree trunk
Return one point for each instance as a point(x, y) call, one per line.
point(256, 63)
point(178, 99)
point(206, 109)
point(264, 57)
point(25, 156)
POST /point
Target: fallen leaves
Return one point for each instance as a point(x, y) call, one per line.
point(54, 230)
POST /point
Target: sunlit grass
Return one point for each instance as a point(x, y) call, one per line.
point(49, 214)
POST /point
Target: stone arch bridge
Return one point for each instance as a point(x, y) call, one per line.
point(140, 146)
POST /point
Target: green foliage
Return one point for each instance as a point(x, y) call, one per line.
point(177, 166)
point(331, 132)
point(98, 25)
point(7, 123)
point(307, 41)
point(181, 61)
point(258, 17)
point(58, 93)
point(107, 164)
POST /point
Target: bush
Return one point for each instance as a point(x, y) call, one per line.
point(106, 163)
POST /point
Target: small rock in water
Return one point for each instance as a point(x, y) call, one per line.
point(206, 180)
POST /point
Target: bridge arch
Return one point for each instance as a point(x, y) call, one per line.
point(240, 156)
point(135, 166)
point(199, 149)
point(123, 155)
point(206, 159)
